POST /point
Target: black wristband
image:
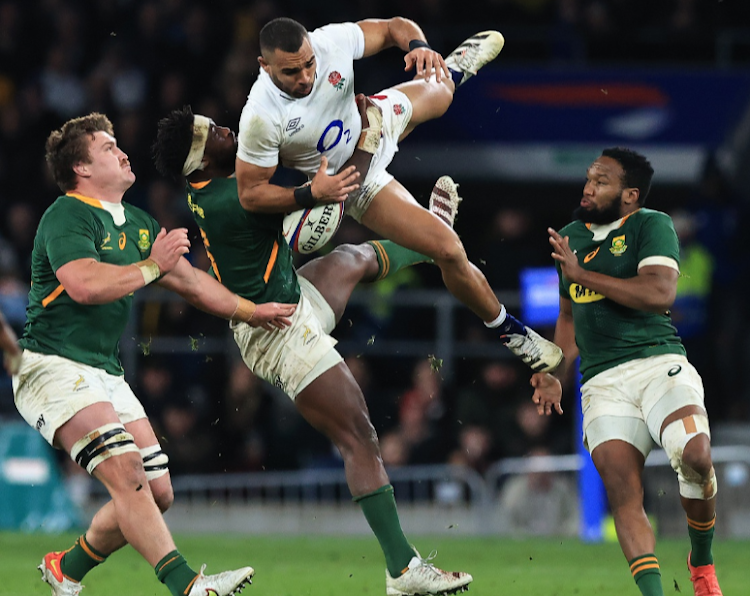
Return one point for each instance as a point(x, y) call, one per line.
point(418, 43)
point(303, 196)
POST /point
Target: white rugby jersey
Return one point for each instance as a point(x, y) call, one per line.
point(276, 127)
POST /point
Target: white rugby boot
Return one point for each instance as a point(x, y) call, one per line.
point(226, 583)
point(52, 574)
point(539, 354)
point(421, 578)
point(474, 53)
point(444, 199)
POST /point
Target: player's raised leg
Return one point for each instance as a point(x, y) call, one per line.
point(431, 99)
point(426, 233)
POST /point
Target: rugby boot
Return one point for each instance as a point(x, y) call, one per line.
point(444, 199)
point(421, 578)
point(539, 354)
point(704, 580)
point(473, 54)
point(52, 574)
point(226, 583)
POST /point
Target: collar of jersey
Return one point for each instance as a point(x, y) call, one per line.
point(601, 231)
point(84, 199)
point(201, 184)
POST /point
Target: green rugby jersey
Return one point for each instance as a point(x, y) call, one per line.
point(78, 227)
point(608, 333)
point(248, 252)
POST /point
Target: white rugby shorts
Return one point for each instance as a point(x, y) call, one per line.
point(397, 111)
point(50, 390)
point(293, 357)
point(630, 401)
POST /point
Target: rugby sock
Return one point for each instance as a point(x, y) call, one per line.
point(701, 538)
point(380, 512)
point(457, 76)
point(393, 258)
point(174, 572)
point(647, 575)
point(499, 319)
point(80, 559)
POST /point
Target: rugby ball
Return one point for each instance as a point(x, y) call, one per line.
point(308, 230)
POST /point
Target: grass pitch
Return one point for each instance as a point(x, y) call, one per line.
point(329, 566)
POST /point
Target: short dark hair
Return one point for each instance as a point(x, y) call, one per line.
point(282, 34)
point(637, 170)
point(173, 141)
point(69, 146)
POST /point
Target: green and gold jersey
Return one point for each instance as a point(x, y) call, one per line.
point(608, 333)
point(248, 252)
point(77, 227)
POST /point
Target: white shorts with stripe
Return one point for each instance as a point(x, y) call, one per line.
point(293, 357)
point(397, 111)
point(50, 390)
point(630, 402)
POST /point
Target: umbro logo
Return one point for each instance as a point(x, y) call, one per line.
point(294, 126)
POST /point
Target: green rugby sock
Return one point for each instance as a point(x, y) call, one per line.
point(701, 539)
point(80, 559)
point(393, 258)
point(647, 575)
point(174, 572)
point(380, 512)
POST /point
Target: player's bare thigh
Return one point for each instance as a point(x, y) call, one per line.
point(395, 214)
point(429, 100)
point(83, 422)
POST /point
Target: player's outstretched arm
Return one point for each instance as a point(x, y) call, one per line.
point(406, 35)
point(204, 292)
point(258, 195)
point(88, 281)
point(548, 386)
point(9, 346)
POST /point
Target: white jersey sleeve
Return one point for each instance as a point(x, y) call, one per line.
point(276, 128)
point(348, 36)
point(259, 138)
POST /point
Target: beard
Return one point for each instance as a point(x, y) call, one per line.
point(603, 215)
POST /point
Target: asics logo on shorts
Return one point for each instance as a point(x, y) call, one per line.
point(40, 422)
point(675, 370)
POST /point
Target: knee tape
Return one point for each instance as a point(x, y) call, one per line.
point(674, 439)
point(101, 444)
point(154, 462)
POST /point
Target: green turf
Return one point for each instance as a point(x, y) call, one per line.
point(326, 566)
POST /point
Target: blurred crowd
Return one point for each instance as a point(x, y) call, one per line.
point(136, 60)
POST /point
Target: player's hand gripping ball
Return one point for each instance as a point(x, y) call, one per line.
point(309, 230)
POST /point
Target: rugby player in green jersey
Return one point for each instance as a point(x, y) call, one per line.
point(9, 346)
point(91, 252)
point(249, 254)
point(618, 265)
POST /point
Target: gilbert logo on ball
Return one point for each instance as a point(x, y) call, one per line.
point(309, 230)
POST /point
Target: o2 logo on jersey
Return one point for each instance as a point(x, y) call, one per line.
point(332, 136)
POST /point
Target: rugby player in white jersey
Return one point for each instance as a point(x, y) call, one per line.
point(301, 113)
